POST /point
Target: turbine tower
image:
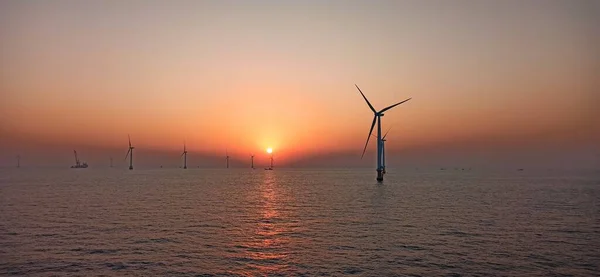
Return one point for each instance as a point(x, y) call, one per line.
point(377, 119)
point(383, 150)
point(184, 154)
point(383, 140)
point(227, 158)
point(111, 162)
point(251, 161)
point(130, 154)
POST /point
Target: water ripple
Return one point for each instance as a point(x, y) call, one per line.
point(297, 223)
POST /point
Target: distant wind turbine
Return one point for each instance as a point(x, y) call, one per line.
point(251, 161)
point(184, 154)
point(227, 157)
point(270, 151)
point(377, 119)
point(130, 154)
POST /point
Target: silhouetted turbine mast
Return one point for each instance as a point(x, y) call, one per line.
point(383, 140)
point(383, 150)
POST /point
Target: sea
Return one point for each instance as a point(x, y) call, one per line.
point(298, 222)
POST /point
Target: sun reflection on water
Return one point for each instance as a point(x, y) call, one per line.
point(266, 246)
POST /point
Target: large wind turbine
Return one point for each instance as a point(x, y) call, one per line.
point(184, 154)
point(251, 161)
point(377, 119)
point(130, 154)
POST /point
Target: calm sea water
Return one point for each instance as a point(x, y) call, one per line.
point(238, 222)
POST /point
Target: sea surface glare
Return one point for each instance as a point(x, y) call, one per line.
point(238, 222)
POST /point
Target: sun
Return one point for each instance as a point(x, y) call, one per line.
point(269, 150)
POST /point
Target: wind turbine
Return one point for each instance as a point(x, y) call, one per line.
point(270, 151)
point(111, 162)
point(130, 154)
point(184, 154)
point(251, 161)
point(377, 119)
point(227, 158)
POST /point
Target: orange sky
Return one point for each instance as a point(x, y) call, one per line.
point(246, 75)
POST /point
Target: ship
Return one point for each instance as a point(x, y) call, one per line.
point(78, 164)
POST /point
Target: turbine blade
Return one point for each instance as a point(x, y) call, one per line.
point(182, 154)
point(129, 140)
point(394, 105)
point(363, 95)
point(127, 153)
point(386, 133)
point(368, 137)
